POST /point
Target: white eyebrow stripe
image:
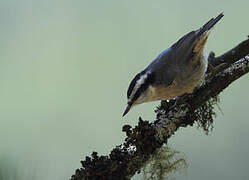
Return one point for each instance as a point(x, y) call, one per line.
point(139, 82)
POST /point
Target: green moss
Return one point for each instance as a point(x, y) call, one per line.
point(205, 113)
point(163, 164)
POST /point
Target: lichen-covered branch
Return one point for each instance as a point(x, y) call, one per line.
point(185, 114)
point(143, 140)
point(238, 52)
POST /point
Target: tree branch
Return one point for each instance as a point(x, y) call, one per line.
point(143, 140)
point(238, 52)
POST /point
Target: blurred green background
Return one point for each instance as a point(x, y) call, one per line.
point(64, 70)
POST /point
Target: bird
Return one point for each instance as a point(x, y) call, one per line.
point(176, 71)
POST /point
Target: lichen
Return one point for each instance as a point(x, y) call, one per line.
point(205, 113)
point(163, 164)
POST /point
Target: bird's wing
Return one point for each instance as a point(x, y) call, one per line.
point(172, 60)
point(192, 36)
point(194, 41)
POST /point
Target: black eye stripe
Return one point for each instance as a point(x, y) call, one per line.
point(133, 83)
point(148, 81)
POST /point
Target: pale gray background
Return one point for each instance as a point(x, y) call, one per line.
point(64, 70)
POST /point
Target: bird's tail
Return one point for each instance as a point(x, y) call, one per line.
point(203, 33)
point(209, 24)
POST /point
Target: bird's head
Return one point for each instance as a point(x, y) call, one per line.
point(138, 90)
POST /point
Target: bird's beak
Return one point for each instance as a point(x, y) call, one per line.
point(127, 109)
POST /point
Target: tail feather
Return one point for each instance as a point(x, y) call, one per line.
point(210, 24)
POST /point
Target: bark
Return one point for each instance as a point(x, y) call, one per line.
point(144, 139)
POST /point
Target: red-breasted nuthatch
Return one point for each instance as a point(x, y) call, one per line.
point(176, 71)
